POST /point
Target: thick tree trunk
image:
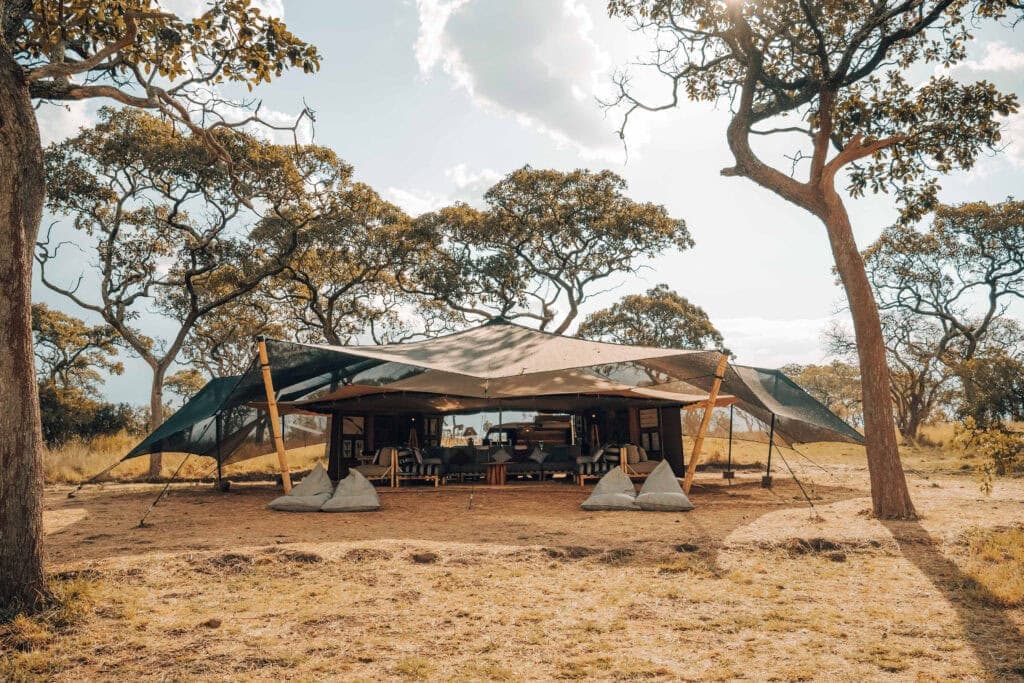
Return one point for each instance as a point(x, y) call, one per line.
point(889, 494)
point(156, 417)
point(21, 472)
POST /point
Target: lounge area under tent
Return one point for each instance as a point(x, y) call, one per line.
point(382, 408)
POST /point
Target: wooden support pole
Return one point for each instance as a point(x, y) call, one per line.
point(766, 480)
point(272, 416)
point(705, 420)
point(729, 474)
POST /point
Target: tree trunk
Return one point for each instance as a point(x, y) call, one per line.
point(890, 497)
point(909, 429)
point(156, 417)
point(21, 474)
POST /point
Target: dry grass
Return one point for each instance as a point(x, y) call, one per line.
point(996, 566)
point(524, 585)
point(78, 461)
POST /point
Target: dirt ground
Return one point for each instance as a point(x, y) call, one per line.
point(475, 583)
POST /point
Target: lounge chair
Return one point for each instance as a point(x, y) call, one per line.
point(593, 466)
point(412, 466)
point(634, 461)
point(383, 468)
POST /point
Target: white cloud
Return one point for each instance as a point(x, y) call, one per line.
point(468, 180)
point(416, 202)
point(998, 57)
point(60, 121)
point(189, 9)
point(772, 343)
point(1013, 136)
point(467, 186)
point(532, 60)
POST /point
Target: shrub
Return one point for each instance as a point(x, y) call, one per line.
point(68, 414)
point(1001, 449)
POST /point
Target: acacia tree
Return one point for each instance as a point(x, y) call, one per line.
point(342, 281)
point(920, 382)
point(960, 273)
point(944, 293)
point(829, 77)
point(992, 386)
point(171, 226)
point(71, 354)
point(659, 317)
point(539, 249)
point(132, 52)
point(221, 343)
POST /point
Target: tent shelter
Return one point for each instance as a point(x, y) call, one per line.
point(386, 395)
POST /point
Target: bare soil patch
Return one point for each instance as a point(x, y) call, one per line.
point(524, 585)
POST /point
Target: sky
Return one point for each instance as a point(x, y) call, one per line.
point(432, 101)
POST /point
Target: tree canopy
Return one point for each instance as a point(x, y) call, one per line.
point(173, 229)
point(832, 79)
point(71, 354)
point(341, 281)
point(660, 317)
point(961, 272)
point(543, 243)
point(137, 53)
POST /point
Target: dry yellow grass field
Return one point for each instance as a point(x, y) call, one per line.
point(517, 583)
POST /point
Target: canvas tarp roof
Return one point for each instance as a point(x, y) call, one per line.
point(498, 364)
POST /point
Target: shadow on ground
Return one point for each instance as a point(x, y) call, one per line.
point(997, 642)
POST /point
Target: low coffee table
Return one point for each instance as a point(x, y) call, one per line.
point(496, 472)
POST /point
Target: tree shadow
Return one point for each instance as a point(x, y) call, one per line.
point(996, 641)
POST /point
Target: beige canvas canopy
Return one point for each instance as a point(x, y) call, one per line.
point(504, 365)
point(495, 365)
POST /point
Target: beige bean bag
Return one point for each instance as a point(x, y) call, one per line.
point(308, 495)
point(614, 491)
point(662, 492)
point(354, 494)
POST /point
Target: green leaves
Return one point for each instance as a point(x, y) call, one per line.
point(835, 72)
point(541, 245)
point(660, 317)
point(942, 125)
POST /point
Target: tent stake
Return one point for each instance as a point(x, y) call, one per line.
point(766, 480)
point(691, 469)
point(272, 416)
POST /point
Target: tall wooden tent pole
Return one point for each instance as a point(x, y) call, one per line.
point(272, 416)
point(705, 420)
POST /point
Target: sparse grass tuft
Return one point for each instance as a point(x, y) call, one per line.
point(996, 566)
point(416, 668)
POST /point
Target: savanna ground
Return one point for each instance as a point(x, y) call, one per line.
point(469, 582)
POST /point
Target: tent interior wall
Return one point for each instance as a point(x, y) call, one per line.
point(354, 399)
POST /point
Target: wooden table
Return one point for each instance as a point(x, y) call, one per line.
point(496, 472)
